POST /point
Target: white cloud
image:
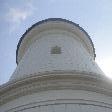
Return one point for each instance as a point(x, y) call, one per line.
point(16, 15)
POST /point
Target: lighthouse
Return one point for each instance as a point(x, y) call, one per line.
point(56, 72)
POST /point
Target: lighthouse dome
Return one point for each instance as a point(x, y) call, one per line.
point(55, 45)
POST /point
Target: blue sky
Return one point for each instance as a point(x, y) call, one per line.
point(16, 16)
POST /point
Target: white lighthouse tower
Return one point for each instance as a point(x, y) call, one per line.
point(56, 72)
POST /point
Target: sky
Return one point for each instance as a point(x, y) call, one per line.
point(16, 16)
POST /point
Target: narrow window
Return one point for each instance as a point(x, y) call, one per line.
point(56, 50)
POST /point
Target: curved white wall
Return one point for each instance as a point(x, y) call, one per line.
point(38, 58)
point(60, 101)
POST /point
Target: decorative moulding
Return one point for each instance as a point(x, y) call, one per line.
point(54, 81)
